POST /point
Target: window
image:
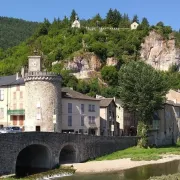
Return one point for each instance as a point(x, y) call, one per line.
point(14, 95)
point(14, 118)
point(38, 116)
point(69, 120)
point(1, 94)
point(91, 120)
point(17, 88)
point(21, 94)
point(69, 107)
point(93, 108)
point(82, 120)
point(21, 106)
point(89, 107)
point(82, 108)
point(14, 106)
point(21, 120)
point(1, 113)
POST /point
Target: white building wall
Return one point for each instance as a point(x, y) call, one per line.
point(76, 115)
point(14, 99)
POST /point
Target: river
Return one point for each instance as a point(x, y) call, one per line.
point(138, 173)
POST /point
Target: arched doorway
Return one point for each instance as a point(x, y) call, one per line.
point(33, 159)
point(67, 155)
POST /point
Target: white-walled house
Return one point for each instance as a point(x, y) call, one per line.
point(80, 113)
point(134, 25)
point(12, 91)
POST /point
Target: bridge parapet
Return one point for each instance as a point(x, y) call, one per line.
point(84, 146)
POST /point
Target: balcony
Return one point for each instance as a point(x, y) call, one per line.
point(16, 112)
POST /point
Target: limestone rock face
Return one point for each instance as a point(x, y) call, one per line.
point(86, 62)
point(160, 53)
point(111, 61)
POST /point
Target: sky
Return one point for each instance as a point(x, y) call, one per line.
point(166, 11)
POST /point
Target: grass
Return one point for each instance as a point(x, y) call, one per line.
point(167, 177)
point(139, 154)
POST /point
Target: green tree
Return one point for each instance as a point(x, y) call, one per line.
point(69, 80)
point(135, 19)
point(142, 90)
point(113, 18)
point(145, 23)
point(109, 75)
point(73, 16)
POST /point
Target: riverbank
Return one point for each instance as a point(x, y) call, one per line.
point(118, 164)
point(51, 174)
point(168, 177)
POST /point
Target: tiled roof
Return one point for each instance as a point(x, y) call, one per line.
point(105, 102)
point(6, 80)
point(69, 93)
point(10, 80)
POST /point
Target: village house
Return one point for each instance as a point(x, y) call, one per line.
point(80, 113)
point(109, 125)
point(164, 126)
point(126, 120)
point(134, 25)
point(12, 91)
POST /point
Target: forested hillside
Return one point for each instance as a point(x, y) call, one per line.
point(57, 41)
point(13, 31)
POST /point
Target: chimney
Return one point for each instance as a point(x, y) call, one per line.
point(18, 76)
point(22, 72)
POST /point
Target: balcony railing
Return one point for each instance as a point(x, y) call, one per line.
point(16, 112)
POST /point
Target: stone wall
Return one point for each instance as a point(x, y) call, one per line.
point(86, 147)
point(43, 98)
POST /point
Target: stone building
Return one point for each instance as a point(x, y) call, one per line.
point(164, 126)
point(43, 98)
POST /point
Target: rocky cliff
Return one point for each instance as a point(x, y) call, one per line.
point(160, 53)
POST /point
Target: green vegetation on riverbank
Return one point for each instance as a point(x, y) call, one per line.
point(139, 154)
point(167, 177)
point(59, 171)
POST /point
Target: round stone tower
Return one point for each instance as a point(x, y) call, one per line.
point(43, 98)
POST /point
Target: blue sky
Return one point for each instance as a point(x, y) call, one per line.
point(36, 10)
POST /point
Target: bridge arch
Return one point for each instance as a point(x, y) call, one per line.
point(68, 153)
point(32, 159)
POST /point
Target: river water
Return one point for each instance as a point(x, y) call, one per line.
point(138, 173)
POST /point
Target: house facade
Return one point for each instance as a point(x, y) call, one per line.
point(164, 127)
point(12, 110)
point(109, 125)
point(80, 113)
point(134, 25)
point(126, 120)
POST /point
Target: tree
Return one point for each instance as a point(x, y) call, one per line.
point(135, 19)
point(73, 16)
point(110, 75)
point(142, 90)
point(113, 18)
point(160, 24)
point(145, 23)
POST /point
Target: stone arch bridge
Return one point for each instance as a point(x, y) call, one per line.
point(30, 152)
